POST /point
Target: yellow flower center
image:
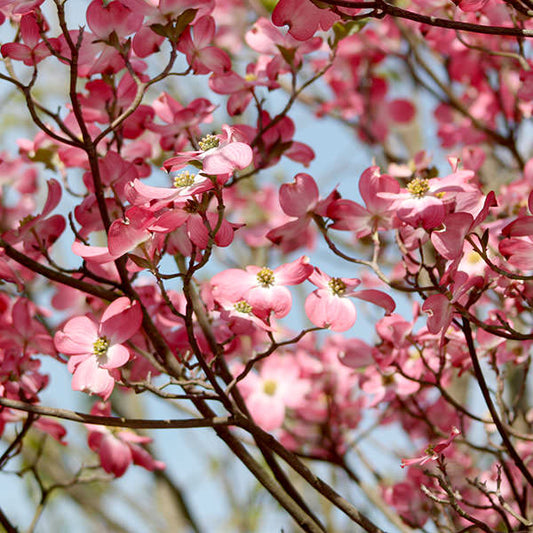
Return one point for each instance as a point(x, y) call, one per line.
point(100, 347)
point(266, 277)
point(243, 307)
point(208, 142)
point(337, 286)
point(473, 257)
point(184, 179)
point(250, 77)
point(418, 187)
point(269, 387)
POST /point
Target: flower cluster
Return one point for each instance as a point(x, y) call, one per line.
point(196, 277)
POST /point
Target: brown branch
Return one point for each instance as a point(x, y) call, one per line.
point(6, 524)
point(320, 486)
point(54, 275)
point(112, 421)
point(492, 409)
point(17, 442)
point(381, 8)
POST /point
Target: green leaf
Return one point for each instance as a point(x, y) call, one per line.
point(345, 29)
point(45, 156)
point(269, 5)
point(181, 24)
point(140, 261)
point(161, 29)
point(485, 240)
point(288, 54)
point(196, 164)
point(173, 30)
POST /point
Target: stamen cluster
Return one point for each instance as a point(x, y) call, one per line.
point(184, 179)
point(337, 286)
point(209, 141)
point(418, 187)
point(243, 307)
point(100, 346)
point(266, 277)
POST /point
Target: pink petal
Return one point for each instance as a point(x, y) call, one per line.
point(273, 299)
point(450, 241)
point(89, 377)
point(115, 455)
point(139, 193)
point(232, 284)
point(227, 83)
point(350, 216)
point(303, 18)
point(519, 252)
point(121, 320)
point(197, 231)
point(357, 354)
point(521, 227)
point(77, 337)
point(117, 356)
point(267, 411)
point(142, 458)
point(439, 311)
point(213, 59)
point(123, 238)
point(53, 198)
point(18, 52)
point(401, 110)
point(226, 159)
point(297, 198)
point(98, 254)
point(295, 272)
point(377, 298)
point(224, 235)
point(327, 311)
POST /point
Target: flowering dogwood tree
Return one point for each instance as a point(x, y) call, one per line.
point(166, 258)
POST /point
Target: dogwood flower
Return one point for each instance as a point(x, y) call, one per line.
point(96, 348)
point(328, 306)
point(278, 386)
point(118, 447)
point(432, 452)
point(218, 154)
point(262, 288)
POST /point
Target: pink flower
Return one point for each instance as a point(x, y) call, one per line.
point(379, 212)
point(328, 306)
point(425, 202)
point(263, 288)
point(303, 17)
point(179, 121)
point(37, 232)
point(118, 448)
point(115, 17)
point(34, 50)
point(95, 348)
point(266, 39)
point(277, 387)
point(194, 43)
point(239, 316)
point(186, 185)
point(299, 199)
point(218, 154)
point(432, 452)
point(242, 89)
